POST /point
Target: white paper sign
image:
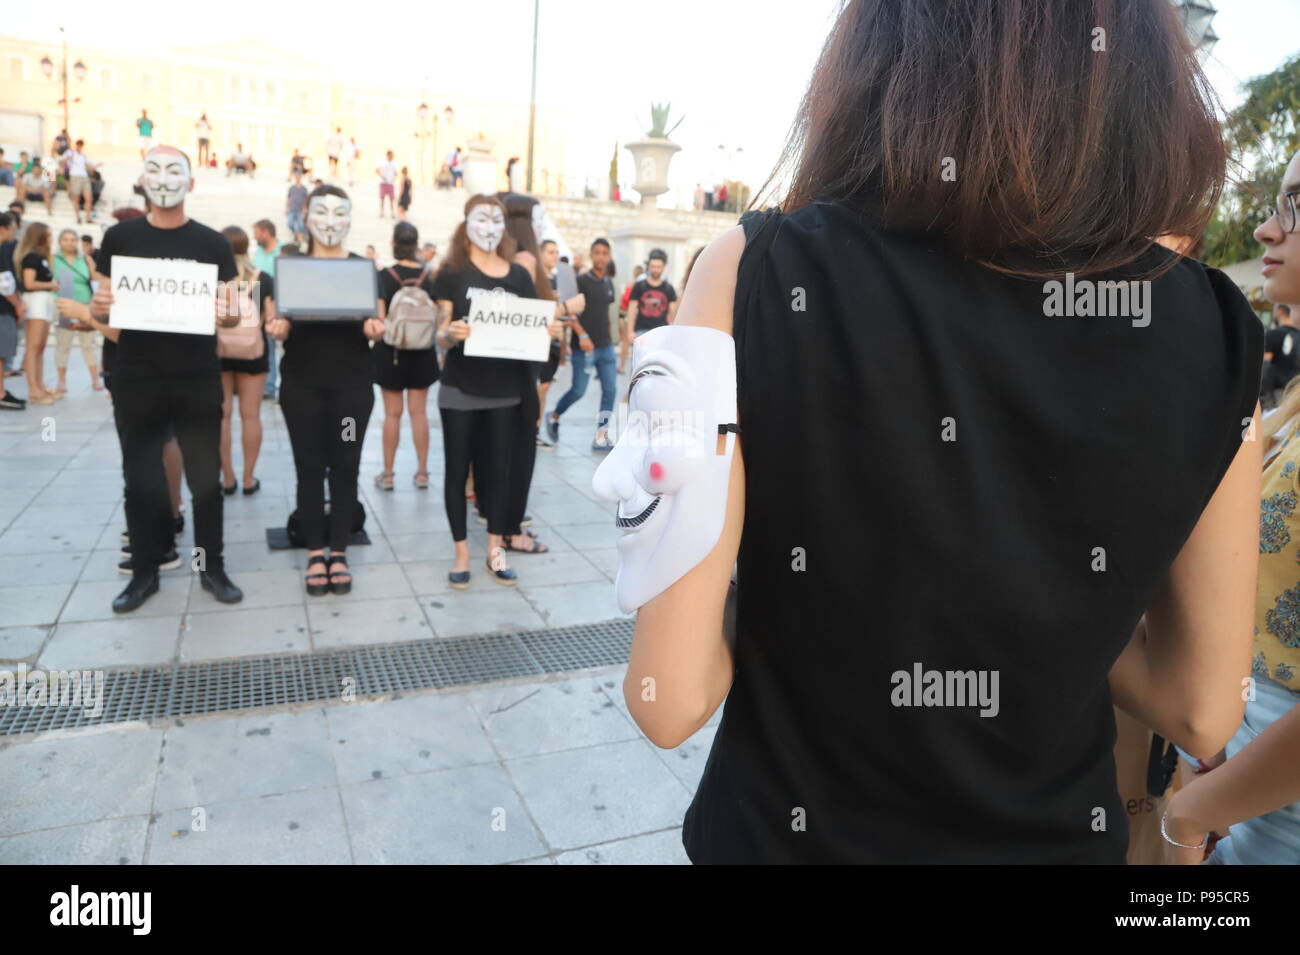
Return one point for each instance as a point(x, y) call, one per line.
point(504, 326)
point(163, 295)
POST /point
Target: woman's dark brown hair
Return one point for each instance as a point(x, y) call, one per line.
point(1033, 135)
point(458, 244)
point(324, 189)
point(519, 226)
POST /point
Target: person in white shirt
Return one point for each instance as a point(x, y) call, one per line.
point(350, 154)
point(204, 130)
point(387, 171)
point(240, 159)
point(333, 147)
point(78, 171)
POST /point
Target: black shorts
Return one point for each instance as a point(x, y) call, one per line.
point(552, 363)
point(247, 366)
point(399, 369)
point(35, 197)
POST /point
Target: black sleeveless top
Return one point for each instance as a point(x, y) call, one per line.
point(944, 483)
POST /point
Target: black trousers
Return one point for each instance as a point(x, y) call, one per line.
point(327, 425)
point(522, 459)
point(146, 411)
point(486, 438)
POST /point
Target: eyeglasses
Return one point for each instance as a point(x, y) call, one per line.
point(1285, 210)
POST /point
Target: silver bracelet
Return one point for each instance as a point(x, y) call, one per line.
point(1164, 832)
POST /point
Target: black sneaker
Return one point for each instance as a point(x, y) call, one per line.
point(178, 526)
point(220, 586)
point(140, 589)
point(171, 560)
point(553, 429)
point(11, 402)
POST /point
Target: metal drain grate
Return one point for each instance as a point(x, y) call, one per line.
point(189, 689)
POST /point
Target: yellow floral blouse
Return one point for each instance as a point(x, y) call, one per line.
point(1277, 602)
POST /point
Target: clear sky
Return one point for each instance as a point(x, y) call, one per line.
point(734, 70)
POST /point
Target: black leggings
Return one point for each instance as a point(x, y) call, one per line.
point(146, 410)
point(485, 437)
point(522, 460)
point(326, 428)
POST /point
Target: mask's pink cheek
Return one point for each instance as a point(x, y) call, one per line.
point(656, 471)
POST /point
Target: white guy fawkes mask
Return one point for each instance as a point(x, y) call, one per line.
point(329, 219)
point(485, 225)
point(666, 471)
point(166, 178)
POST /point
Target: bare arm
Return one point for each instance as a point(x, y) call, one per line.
point(1262, 777)
point(1181, 674)
point(679, 642)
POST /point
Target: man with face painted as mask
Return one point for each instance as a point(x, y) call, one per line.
point(165, 381)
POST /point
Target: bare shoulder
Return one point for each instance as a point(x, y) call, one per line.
point(710, 294)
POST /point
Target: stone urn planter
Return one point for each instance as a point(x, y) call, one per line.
point(651, 158)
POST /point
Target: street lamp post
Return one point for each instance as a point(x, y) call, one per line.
point(532, 100)
point(47, 67)
point(425, 114)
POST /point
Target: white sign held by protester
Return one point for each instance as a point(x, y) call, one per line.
point(503, 326)
point(163, 295)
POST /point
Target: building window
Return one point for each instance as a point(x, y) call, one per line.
point(107, 134)
point(350, 106)
point(16, 69)
point(236, 90)
point(146, 83)
point(270, 93)
point(106, 79)
point(304, 103)
point(201, 88)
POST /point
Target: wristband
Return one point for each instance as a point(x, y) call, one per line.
point(583, 335)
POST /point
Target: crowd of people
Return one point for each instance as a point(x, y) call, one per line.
point(185, 398)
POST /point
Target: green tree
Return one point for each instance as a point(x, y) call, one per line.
point(1262, 134)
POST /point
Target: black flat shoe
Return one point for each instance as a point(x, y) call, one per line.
point(503, 575)
point(459, 579)
point(251, 489)
point(230, 490)
point(338, 584)
point(140, 589)
point(220, 586)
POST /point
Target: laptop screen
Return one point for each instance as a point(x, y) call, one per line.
point(325, 289)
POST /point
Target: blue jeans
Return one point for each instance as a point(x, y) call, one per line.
point(606, 361)
point(1273, 838)
point(268, 390)
point(6, 177)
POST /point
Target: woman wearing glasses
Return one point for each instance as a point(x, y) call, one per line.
point(1254, 797)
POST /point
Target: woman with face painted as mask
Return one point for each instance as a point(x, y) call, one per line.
point(480, 399)
point(326, 395)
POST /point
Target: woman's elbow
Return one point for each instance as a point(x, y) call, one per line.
point(1204, 736)
point(666, 723)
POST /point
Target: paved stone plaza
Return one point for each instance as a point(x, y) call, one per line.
point(545, 770)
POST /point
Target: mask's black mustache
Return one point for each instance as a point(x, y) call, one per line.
point(639, 519)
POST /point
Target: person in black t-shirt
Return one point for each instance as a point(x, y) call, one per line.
point(652, 303)
point(326, 395)
point(405, 371)
point(38, 286)
point(479, 399)
point(165, 381)
point(1281, 355)
point(244, 378)
point(11, 306)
